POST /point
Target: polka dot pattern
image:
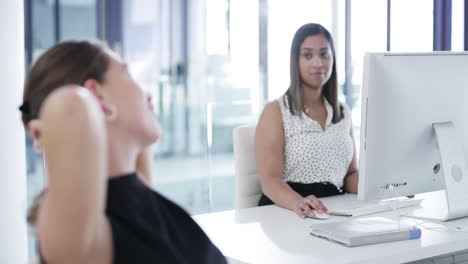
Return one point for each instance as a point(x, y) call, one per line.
point(313, 154)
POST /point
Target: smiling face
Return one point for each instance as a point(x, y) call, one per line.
point(315, 61)
point(135, 119)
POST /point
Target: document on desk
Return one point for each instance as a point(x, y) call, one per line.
point(365, 231)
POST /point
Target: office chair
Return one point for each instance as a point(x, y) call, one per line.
point(247, 186)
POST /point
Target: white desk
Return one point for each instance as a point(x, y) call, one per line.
point(270, 234)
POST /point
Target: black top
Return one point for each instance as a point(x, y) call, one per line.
point(319, 189)
point(148, 228)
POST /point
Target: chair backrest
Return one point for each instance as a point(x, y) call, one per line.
point(247, 189)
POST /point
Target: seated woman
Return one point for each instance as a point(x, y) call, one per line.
point(304, 139)
point(93, 124)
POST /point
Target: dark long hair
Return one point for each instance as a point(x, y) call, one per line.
point(294, 94)
point(71, 62)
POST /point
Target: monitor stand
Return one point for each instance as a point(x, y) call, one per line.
point(451, 203)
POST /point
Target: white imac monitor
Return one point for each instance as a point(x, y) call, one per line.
point(414, 130)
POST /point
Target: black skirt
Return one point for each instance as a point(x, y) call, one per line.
point(320, 189)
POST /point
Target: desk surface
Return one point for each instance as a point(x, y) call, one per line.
point(271, 234)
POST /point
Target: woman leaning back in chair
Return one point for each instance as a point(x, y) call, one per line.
point(304, 140)
point(93, 124)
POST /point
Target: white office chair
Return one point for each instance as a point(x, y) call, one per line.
point(248, 189)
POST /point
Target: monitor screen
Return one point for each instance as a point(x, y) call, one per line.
point(403, 95)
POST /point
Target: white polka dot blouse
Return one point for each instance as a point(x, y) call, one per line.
point(315, 155)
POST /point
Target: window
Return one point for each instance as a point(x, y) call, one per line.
point(411, 25)
point(284, 18)
point(202, 69)
point(368, 34)
point(78, 19)
point(458, 22)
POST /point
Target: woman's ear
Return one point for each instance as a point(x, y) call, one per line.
point(96, 89)
point(35, 130)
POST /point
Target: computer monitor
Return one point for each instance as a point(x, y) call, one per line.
point(414, 130)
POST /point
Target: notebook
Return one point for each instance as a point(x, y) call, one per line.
point(365, 231)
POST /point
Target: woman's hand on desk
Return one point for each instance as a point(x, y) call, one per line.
point(305, 206)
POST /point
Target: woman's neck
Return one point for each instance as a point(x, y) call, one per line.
point(312, 96)
point(121, 158)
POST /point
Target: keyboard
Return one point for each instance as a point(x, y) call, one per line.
point(349, 205)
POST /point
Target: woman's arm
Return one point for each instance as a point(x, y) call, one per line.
point(352, 176)
point(72, 227)
point(269, 151)
point(143, 166)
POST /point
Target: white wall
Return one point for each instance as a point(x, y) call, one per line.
point(13, 240)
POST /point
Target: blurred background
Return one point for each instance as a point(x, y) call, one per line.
point(211, 65)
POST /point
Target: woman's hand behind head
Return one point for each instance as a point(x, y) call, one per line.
point(72, 132)
point(69, 104)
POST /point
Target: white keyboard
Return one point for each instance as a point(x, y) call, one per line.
point(349, 205)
